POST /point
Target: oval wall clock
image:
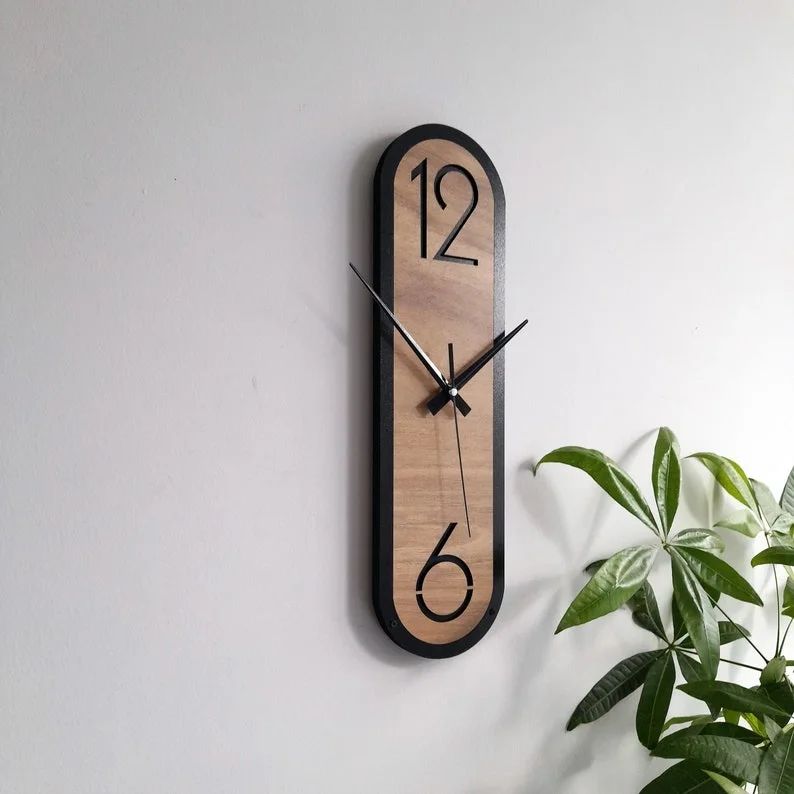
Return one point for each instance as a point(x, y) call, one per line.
point(439, 391)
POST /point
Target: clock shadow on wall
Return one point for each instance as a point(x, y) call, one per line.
point(358, 311)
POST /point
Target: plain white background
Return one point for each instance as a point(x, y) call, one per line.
point(184, 359)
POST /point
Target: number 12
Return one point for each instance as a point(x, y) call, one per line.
point(421, 172)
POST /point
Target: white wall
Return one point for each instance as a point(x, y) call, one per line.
point(185, 402)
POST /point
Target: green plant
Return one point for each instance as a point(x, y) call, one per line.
point(745, 734)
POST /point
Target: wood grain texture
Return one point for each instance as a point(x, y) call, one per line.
point(442, 302)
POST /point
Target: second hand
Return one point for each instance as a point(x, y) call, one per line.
point(452, 393)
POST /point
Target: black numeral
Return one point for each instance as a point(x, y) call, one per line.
point(442, 255)
point(436, 558)
point(421, 172)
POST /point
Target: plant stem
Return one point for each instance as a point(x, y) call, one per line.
point(785, 634)
point(778, 646)
point(739, 629)
point(727, 661)
point(742, 664)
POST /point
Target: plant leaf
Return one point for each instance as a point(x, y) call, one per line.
point(730, 476)
point(731, 731)
point(609, 476)
point(728, 633)
point(783, 523)
point(777, 767)
point(698, 539)
point(591, 569)
point(666, 476)
point(731, 757)
point(643, 605)
point(619, 682)
point(691, 669)
point(645, 611)
point(679, 629)
point(774, 555)
point(741, 521)
point(782, 695)
point(685, 777)
point(693, 718)
point(727, 695)
point(770, 509)
point(693, 672)
point(754, 722)
point(783, 541)
point(788, 599)
point(726, 785)
point(779, 520)
point(787, 498)
point(716, 573)
point(774, 672)
point(772, 728)
point(655, 700)
point(698, 615)
point(611, 586)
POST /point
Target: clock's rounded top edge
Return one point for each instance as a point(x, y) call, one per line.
point(394, 152)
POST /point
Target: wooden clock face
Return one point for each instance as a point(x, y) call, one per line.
point(439, 265)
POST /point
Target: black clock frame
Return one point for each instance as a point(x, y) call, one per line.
point(383, 408)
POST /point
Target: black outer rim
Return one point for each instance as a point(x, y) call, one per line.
point(383, 381)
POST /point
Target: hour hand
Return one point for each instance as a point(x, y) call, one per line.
point(434, 371)
point(440, 400)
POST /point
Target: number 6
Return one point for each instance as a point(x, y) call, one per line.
point(434, 559)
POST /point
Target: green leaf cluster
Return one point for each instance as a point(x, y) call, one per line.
point(746, 736)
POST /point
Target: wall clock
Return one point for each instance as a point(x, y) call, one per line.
point(438, 391)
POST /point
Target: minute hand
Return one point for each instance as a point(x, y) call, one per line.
point(441, 399)
point(434, 371)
